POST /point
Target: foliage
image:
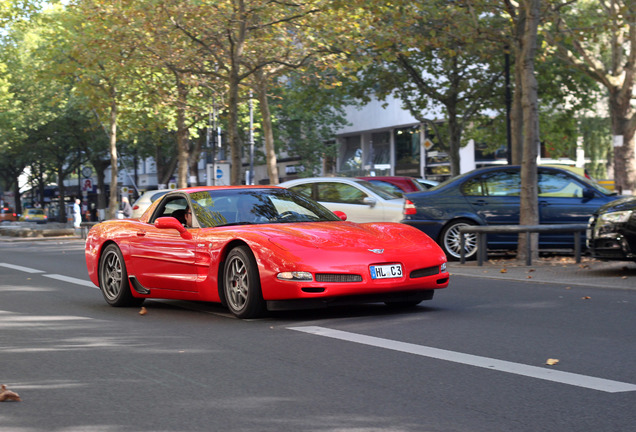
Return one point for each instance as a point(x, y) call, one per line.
point(307, 115)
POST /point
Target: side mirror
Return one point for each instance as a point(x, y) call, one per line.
point(340, 214)
point(588, 194)
point(169, 222)
point(369, 201)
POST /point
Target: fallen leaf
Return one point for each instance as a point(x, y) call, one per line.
point(8, 395)
point(586, 298)
point(531, 270)
point(568, 287)
point(143, 311)
point(504, 271)
point(551, 361)
point(529, 277)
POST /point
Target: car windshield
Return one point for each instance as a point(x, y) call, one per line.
point(223, 207)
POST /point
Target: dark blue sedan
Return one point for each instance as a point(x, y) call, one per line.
point(491, 196)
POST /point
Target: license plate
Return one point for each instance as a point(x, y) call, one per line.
point(386, 271)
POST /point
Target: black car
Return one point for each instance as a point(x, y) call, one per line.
point(491, 196)
point(611, 233)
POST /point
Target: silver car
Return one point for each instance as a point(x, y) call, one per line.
point(360, 200)
point(144, 201)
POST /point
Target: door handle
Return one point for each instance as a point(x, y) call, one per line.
point(141, 233)
point(480, 203)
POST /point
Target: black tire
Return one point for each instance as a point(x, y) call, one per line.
point(113, 279)
point(242, 284)
point(449, 240)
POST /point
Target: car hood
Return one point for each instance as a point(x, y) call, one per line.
point(345, 235)
point(627, 203)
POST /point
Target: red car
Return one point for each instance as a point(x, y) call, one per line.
point(258, 248)
point(7, 214)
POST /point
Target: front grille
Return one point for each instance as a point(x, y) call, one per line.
point(428, 271)
point(336, 277)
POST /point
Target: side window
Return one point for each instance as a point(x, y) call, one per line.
point(389, 187)
point(340, 193)
point(559, 185)
point(473, 187)
point(169, 206)
point(303, 189)
point(502, 183)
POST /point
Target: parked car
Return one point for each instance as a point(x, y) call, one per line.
point(360, 200)
point(491, 196)
point(611, 231)
point(395, 185)
point(33, 215)
point(7, 214)
point(279, 250)
point(143, 202)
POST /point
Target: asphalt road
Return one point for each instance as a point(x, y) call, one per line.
point(472, 359)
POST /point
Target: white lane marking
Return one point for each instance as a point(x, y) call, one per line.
point(71, 280)
point(569, 378)
point(20, 268)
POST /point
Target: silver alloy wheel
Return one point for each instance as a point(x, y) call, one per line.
point(111, 275)
point(237, 284)
point(451, 241)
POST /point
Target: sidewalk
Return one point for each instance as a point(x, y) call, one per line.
point(559, 269)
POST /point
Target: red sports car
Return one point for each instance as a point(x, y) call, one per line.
point(257, 248)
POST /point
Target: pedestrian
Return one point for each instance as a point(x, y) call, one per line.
point(77, 213)
point(125, 207)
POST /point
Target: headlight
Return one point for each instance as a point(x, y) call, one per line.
point(615, 217)
point(442, 268)
point(295, 276)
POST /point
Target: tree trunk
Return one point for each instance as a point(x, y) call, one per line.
point(233, 134)
point(529, 212)
point(113, 202)
point(516, 112)
point(61, 217)
point(193, 160)
point(453, 139)
point(270, 152)
point(182, 134)
point(621, 112)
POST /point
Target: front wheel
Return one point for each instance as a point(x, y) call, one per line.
point(242, 285)
point(113, 279)
point(450, 241)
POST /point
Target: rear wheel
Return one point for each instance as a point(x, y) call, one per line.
point(450, 240)
point(113, 279)
point(242, 285)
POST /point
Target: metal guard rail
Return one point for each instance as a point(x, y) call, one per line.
point(483, 230)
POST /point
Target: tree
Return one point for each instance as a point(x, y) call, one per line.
point(433, 63)
point(238, 38)
point(529, 210)
point(599, 38)
point(91, 50)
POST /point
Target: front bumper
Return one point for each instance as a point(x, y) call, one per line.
point(612, 247)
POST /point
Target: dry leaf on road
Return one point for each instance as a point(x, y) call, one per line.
point(551, 361)
point(8, 395)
